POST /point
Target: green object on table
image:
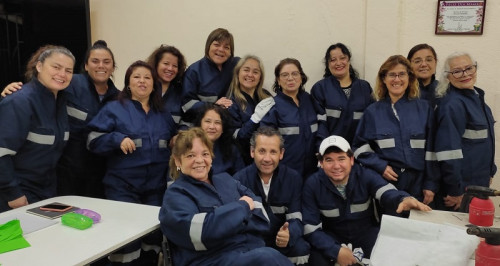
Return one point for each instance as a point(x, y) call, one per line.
point(11, 237)
point(76, 220)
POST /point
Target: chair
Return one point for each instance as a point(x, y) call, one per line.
point(167, 253)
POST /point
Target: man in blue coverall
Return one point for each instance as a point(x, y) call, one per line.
point(280, 188)
point(337, 205)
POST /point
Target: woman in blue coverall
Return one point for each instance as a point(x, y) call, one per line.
point(341, 94)
point(211, 219)
point(133, 133)
point(391, 136)
point(170, 66)
point(464, 137)
point(246, 92)
point(423, 59)
point(215, 122)
point(208, 79)
point(80, 172)
point(295, 115)
point(35, 128)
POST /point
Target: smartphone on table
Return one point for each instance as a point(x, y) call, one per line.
point(54, 207)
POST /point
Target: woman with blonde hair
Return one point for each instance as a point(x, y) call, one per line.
point(391, 136)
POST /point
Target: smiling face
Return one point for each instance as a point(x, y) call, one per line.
point(423, 64)
point(99, 65)
point(219, 52)
point(249, 76)
point(337, 166)
point(467, 80)
point(211, 123)
point(55, 72)
point(339, 63)
point(290, 79)
point(141, 84)
point(196, 162)
point(396, 81)
point(267, 154)
point(167, 68)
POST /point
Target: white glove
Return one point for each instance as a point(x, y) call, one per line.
point(261, 109)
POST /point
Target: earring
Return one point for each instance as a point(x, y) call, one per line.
point(178, 168)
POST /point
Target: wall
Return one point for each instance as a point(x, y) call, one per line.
point(273, 30)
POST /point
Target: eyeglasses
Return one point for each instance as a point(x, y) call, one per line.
point(419, 61)
point(285, 75)
point(393, 75)
point(457, 73)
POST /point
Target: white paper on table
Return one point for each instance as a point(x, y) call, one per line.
point(409, 242)
point(29, 222)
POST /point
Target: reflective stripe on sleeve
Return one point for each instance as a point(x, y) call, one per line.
point(330, 213)
point(382, 190)
point(449, 155)
point(196, 230)
point(430, 156)
point(137, 142)
point(177, 118)
point(333, 113)
point(299, 260)
point(386, 143)
point(259, 205)
point(289, 130)
point(162, 143)
point(321, 117)
point(309, 228)
point(362, 149)
point(417, 143)
point(360, 207)
point(235, 134)
point(294, 215)
point(78, 114)
point(66, 135)
point(93, 135)
point(314, 127)
point(357, 115)
point(210, 99)
point(5, 151)
point(41, 139)
point(475, 134)
point(189, 105)
point(278, 209)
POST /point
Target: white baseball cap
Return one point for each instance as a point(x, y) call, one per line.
point(336, 141)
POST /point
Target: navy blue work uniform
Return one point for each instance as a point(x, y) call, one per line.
point(79, 171)
point(209, 225)
point(382, 139)
point(464, 142)
point(330, 219)
point(342, 113)
point(242, 125)
point(172, 101)
point(282, 205)
point(204, 82)
point(428, 92)
point(34, 129)
point(229, 165)
point(298, 125)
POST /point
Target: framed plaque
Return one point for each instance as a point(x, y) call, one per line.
point(460, 17)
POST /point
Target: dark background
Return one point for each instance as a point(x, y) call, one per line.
point(25, 25)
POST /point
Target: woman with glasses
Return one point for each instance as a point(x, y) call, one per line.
point(464, 142)
point(294, 114)
point(423, 59)
point(391, 136)
point(170, 65)
point(341, 94)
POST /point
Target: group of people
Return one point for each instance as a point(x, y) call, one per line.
point(247, 186)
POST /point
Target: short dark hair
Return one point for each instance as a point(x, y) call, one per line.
point(154, 98)
point(268, 132)
point(281, 64)
point(219, 35)
point(419, 47)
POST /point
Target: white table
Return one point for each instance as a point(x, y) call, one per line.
point(58, 244)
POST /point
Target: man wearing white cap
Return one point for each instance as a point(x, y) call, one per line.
point(337, 205)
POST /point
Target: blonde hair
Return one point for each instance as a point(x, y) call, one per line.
point(381, 91)
point(184, 143)
point(444, 83)
point(234, 87)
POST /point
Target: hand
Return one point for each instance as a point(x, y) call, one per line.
point(345, 257)
point(127, 145)
point(261, 109)
point(224, 102)
point(19, 202)
point(412, 203)
point(453, 202)
point(12, 87)
point(389, 174)
point(249, 201)
point(428, 196)
point(283, 236)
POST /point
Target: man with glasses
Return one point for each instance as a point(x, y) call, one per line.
point(464, 137)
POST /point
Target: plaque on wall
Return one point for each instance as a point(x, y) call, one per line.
point(460, 17)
